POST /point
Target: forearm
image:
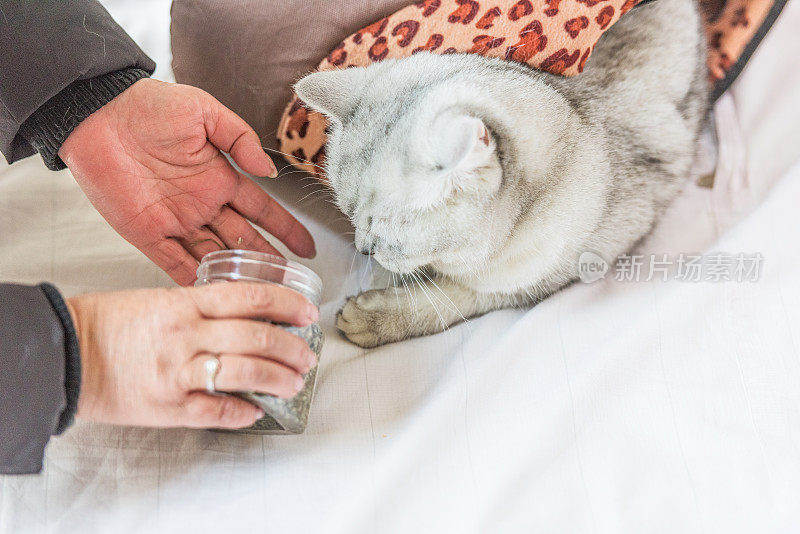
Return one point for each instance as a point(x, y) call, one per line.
point(39, 373)
point(48, 45)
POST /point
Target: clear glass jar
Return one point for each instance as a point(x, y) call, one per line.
point(283, 416)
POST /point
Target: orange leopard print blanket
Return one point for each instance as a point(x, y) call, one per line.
point(557, 36)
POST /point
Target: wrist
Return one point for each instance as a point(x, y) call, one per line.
point(47, 129)
point(83, 313)
point(84, 139)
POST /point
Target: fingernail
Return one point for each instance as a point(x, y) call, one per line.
point(299, 383)
point(313, 313)
point(260, 414)
point(311, 358)
point(273, 173)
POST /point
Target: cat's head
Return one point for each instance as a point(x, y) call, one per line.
point(414, 159)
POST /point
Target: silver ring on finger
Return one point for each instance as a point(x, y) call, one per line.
point(212, 366)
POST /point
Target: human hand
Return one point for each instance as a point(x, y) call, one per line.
point(143, 352)
point(150, 161)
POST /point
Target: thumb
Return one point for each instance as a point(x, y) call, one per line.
point(230, 133)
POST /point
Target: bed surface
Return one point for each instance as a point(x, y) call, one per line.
point(610, 407)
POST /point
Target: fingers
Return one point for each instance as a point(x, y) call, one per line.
point(236, 232)
point(170, 256)
point(210, 411)
point(230, 133)
point(256, 339)
point(203, 242)
point(254, 301)
point(244, 373)
point(256, 205)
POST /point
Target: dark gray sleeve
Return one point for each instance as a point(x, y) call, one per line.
point(46, 46)
point(39, 374)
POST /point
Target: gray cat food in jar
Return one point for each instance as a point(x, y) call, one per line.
point(283, 416)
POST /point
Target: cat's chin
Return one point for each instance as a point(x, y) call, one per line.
point(402, 266)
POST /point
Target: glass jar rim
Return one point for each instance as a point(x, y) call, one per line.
point(262, 258)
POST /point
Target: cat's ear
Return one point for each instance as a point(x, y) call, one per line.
point(465, 142)
point(331, 92)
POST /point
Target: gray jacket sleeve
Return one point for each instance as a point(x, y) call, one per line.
point(39, 373)
point(60, 61)
point(64, 59)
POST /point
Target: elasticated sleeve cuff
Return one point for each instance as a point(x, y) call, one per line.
point(39, 374)
point(72, 358)
point(50, 125)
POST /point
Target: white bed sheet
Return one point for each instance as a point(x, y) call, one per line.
point(611, 407)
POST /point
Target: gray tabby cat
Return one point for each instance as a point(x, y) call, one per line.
point(485, 180)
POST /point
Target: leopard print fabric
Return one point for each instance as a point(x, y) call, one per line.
point(557, 36)
point(730, 27)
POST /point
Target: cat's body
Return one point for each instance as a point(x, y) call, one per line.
point(487, 179)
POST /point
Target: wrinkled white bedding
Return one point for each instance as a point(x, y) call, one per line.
point(611, 407)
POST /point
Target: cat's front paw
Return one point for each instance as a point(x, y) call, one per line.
point(374, 318)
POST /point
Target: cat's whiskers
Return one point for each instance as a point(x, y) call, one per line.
point(421, 284)
point(396, 296)
point(296, 171)
point(307, 162)
point(428, 293)
point(413, 291)
point(408, 292)
point(288, 165)
point(397, 299)
point(467, 266)
point(367, 270)
point(311, 194)
point(432, 281)
point(412, 298)
point(312, 184)
point(323, 199)
point(352, 264)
